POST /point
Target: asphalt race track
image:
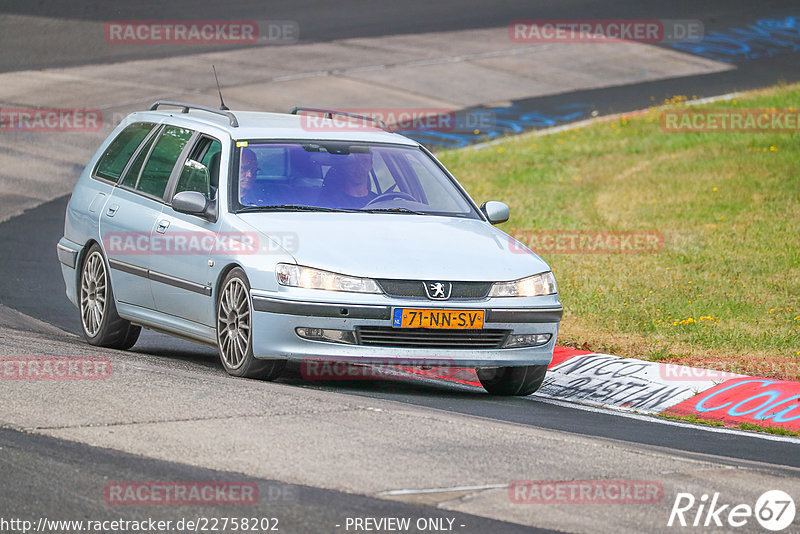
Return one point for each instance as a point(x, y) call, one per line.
point(30, 248)
point(324, 21)
point(322, 452)
point(80, 470)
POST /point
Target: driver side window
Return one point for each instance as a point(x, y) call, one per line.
point(201, 170)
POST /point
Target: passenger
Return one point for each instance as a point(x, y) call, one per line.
point(347, 185)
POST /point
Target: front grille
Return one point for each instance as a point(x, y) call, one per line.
point(430, 338)
point(416, 289)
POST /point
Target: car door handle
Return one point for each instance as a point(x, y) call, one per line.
point(162, 226)
point(112, 210)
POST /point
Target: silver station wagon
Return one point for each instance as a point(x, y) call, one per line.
point(276, 237)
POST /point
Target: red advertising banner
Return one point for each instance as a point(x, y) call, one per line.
point(760, 401)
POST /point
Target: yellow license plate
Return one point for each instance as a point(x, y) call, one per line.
point(422, 318)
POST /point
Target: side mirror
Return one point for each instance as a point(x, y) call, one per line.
point(190, 202)
point(496, 212)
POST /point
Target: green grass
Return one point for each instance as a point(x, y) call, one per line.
point(692, 419)
point(726, 283)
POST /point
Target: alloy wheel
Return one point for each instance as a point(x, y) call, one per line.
point(93, 293)
point(233, 323)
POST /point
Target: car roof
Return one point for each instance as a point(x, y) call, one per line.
point(264, 125)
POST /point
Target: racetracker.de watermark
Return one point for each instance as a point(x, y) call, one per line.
point(731, 120)
point(201, 32)
point(343, 370)
point(727, 370)
point(588, 242)
point(199, 242)
point(397, 120)
point(50, 120)
point(54, 368)
point(585, 492)
point(681, 373)
point(180, 493)
point(605, 30)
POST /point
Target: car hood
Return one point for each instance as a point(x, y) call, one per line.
point(399, 246)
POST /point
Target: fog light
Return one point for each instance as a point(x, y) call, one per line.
point(324, 334)
point(526, 340)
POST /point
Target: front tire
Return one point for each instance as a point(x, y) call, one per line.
point(234, 331)
point(100, 323)
point(508, 381)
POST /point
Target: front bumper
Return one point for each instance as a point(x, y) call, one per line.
point(275, 319)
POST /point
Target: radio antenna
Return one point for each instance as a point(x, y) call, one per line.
point(222, 105)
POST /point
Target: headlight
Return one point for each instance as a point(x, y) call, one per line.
point(533, 286)
point(308, 278)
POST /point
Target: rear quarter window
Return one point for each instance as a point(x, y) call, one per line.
point(116, 156)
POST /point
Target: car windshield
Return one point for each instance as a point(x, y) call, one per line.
point(340, 176)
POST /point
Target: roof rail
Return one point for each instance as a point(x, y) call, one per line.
point(329, 113)
point(186, 107)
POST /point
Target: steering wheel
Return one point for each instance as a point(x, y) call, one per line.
point(393, 194)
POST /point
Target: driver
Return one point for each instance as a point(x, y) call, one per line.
point(250, 193)
point(349, 184)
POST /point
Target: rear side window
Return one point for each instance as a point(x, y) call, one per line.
point(156, 172)
point(132, 174)
point(116, 156)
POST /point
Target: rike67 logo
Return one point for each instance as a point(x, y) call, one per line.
point(774, 510)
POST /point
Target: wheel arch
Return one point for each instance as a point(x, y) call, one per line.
point(221, 277)
point(82, 253)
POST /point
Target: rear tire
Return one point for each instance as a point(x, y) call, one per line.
point(234, 331)
point(508, 381)
point(100, 323)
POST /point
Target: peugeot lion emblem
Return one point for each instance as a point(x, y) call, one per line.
point(438, 290)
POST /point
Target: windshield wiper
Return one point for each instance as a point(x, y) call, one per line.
point(300, 207)
point(395, 210)
point(291, 207)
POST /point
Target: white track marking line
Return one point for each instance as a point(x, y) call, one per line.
point(442, 490)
